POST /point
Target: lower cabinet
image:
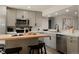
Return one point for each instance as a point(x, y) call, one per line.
point(67, 44)
point(50, 42)
point(72, 45)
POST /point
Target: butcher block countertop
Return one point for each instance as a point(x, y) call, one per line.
point(21, 37)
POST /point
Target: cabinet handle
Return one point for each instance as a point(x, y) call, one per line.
point(71, 38)
point(71, 41)
point(50, 37)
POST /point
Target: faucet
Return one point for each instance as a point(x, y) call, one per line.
point(57, 27)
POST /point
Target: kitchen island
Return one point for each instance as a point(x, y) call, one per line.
point(23, 41)
point(20, 37)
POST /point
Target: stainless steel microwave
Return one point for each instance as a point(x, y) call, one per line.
point(22, 23)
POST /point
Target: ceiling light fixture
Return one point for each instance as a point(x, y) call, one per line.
point(56, 13)
point(67, 10)
point(75, 12)
point(28, 7)
point(49, 15)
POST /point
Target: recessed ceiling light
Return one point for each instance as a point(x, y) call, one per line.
point(56, 13)
point(28, 7)
point(67, 10)
point(49, 15)
point(75, 12)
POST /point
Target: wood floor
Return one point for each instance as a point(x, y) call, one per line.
point(51, 51)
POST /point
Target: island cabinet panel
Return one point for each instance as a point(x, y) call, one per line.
point(50, 41)
point(72, 45)
point(21, 43)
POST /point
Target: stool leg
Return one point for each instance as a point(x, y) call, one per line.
point(33, 51)
point(41, 51)
point(18, 52)
point(30, 51)
point(45, 49)
point(38, 51)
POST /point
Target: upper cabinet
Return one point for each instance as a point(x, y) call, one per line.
point(31, 17)
point(21, 14)
point(26, 15)
point(34, 17)
point(11, 17)
point(38, 19)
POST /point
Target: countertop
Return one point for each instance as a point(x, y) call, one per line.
point(73, 34)
point(67, 33)
point(11, 37)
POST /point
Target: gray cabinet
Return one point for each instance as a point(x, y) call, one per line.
point(11, 17)
point(72, 45)
point(67, 44)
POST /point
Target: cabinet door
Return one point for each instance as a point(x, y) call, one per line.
point(22, 14)
point(51, 42)
point(38, 19)
point(31, 16)
point(11, 17)
point(72, 45)
point(25, 13)
point(19, 14)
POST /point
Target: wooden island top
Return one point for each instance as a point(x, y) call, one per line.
point(11, 37)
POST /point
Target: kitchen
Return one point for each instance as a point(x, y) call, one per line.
point(59, 22)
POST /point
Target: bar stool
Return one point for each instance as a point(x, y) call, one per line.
point(2, 50)
point(15, 50)
point(38, 47)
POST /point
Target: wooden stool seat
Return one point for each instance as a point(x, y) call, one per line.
point(13, 50)
point(37, 47)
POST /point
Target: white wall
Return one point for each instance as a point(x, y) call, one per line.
point(2, 19)
point(59, 21)
point(2, 22)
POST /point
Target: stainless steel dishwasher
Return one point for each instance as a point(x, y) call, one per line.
point(61, 43)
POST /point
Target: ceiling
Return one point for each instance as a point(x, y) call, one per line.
point(71, 11)
point(32, 7)
point(47, 10)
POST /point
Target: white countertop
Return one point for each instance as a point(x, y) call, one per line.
point(67, 33)
point(74, 34)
